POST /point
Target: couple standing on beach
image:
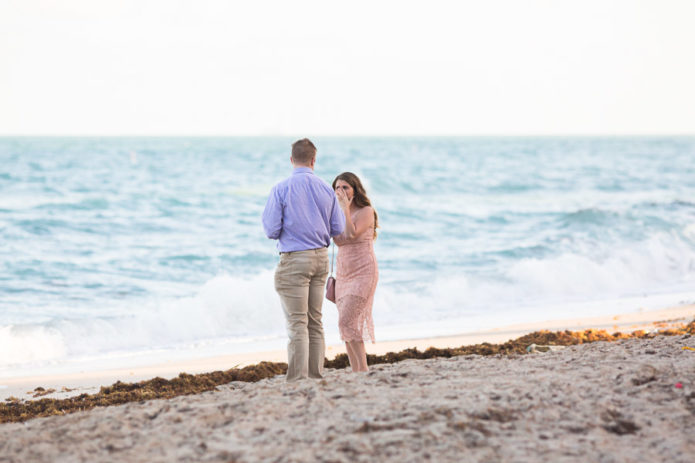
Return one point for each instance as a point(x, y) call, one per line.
point(303, 213)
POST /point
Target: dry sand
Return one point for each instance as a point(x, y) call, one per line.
point(599, 402)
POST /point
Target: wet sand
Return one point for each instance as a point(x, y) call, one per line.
point(72, 384)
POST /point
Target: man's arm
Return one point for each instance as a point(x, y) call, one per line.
point(272, 215)
point(337, 218)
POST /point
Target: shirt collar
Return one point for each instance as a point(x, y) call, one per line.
point(303, 170)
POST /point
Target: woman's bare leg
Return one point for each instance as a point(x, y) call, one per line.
point(349, 309)
point(358, 361)
point(351, 354)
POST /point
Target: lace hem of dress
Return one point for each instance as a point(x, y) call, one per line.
point(355, 319)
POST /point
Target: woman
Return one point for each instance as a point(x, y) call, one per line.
point(357, 272)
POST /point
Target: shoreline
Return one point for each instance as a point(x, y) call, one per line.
point(72, 384)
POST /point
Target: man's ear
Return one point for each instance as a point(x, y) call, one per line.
point(291, 161)
point(313, 161)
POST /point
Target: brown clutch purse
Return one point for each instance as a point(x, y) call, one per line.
point(330, 289)
point(330, 283)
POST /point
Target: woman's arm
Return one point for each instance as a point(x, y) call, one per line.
point(344, 203)
point(339, 240)
point(364, 220)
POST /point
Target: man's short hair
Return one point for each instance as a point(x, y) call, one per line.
point(303, 151)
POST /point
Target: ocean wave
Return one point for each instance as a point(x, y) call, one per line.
point(666, 204)
point(30, 344)
point(583, 217)
point(635, 268)
point(224, 307)
point(231, 307)
point(683, 203)
point(20, 202)
point(83, 204)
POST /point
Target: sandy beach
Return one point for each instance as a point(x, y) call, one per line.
point(629, 400)
point(626, 401)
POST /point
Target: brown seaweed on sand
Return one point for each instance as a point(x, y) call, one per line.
point(40, 392)
point(120, 393)
point(14, 409)
point(515, 346)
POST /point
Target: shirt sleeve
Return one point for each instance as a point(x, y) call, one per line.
point(272, 215)
point(337, 218)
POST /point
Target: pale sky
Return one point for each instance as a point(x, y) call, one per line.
point(309, 68)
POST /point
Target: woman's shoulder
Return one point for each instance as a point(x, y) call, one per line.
point(364, 216)
point(364, 211)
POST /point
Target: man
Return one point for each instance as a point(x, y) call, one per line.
point(302, 213)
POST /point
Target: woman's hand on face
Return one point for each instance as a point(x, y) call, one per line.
point(343, 200)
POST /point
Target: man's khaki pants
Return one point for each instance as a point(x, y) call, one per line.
point(300, 280)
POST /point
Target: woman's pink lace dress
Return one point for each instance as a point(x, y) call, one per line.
point(356, 278)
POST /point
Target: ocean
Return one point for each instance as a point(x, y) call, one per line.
point(118, 248)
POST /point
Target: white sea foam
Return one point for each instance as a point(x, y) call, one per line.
point(30, 345)
point(663, 263)
point(637, 268)
point(225, 308)
point(689, 231)
point(232, 309)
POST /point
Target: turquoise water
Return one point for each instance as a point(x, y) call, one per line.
point(114, 246)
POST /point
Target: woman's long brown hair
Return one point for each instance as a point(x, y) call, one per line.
point(359, 198)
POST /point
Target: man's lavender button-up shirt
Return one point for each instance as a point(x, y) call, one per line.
point(302, 213)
